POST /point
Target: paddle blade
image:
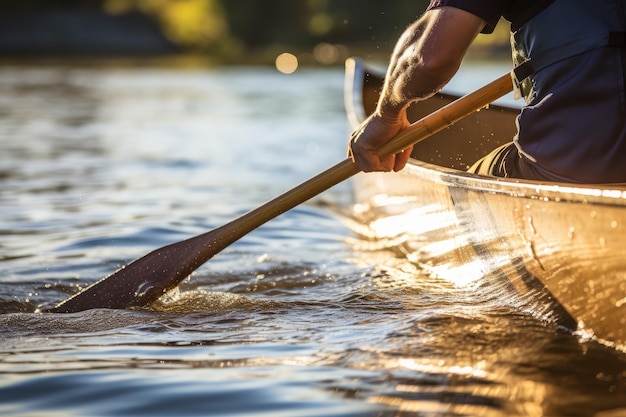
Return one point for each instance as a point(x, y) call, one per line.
point(149, 277)
point(145, 279)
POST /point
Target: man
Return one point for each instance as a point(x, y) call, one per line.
point(570, 62)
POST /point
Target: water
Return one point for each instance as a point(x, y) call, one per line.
point(300, 318)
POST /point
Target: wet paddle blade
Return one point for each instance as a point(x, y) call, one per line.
point(146, 279)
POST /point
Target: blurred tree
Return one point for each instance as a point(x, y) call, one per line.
point(233, 28)
point(259, 23)
point(196, 25)
point(306, 22)
point(42, 5)
point(370, 20)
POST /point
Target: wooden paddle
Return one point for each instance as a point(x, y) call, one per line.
point(149, 277)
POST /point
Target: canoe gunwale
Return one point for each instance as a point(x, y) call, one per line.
point(561, 192)
point(598, 194)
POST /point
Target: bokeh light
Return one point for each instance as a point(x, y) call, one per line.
point(286, 63)
point(326, 53)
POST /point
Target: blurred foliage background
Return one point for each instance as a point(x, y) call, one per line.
point(226, 31)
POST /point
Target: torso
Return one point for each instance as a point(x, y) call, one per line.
point(574, 122)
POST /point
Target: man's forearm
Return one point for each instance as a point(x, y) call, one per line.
point(425, 58)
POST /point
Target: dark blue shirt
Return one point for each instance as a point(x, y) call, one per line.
point(515, 11)
point(573, 124)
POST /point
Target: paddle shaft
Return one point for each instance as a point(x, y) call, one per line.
point(147, 278)
point(340, 172)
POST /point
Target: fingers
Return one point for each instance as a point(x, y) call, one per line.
point(366, 139)
point(401, 159)
point(369, 161)
point(350, 151)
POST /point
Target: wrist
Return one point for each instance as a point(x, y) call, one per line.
point(391, 112)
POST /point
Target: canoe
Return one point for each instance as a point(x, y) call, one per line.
point(556, 249)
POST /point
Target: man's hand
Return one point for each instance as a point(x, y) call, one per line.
point(370, 136)
point(425, 57)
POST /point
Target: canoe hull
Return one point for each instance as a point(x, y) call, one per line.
point(559, 247)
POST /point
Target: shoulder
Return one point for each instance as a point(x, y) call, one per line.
point(488, 10)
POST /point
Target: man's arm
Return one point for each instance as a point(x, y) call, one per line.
point(425, 58)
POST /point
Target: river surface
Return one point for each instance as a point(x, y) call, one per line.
point(302, 317)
